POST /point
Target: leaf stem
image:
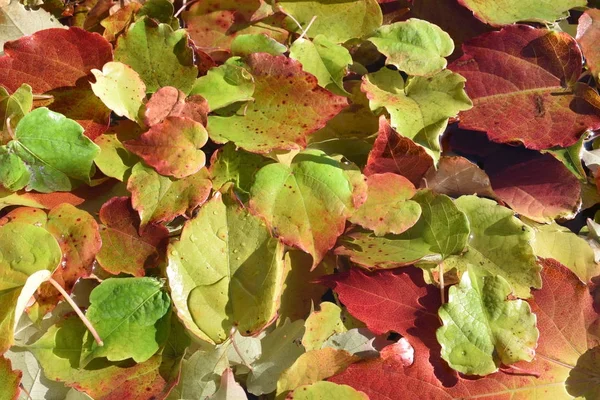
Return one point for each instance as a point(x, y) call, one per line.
point(236, 348)
point(184, 6)
point(441, 278)
point(75, 307)
point(9, 129)
point(304, 31)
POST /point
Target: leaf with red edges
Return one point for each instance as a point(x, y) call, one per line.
point(9, 380)
point(523, 85)
point(172, 147)
point(171, 102)
point(288, 105)
point(40, 60)
point(398, 154)
point(123, 248)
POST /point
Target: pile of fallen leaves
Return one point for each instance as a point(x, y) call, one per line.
point(299, 199)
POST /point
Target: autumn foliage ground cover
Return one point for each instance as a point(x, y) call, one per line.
point(299, 199)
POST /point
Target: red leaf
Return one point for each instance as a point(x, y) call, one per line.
point(522, 83)
point(588, 35)
point(397, 154)
point(52, 58)
point(171, 102)
point(172, 147)
point(123, 249)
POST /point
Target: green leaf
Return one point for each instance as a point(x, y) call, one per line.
point(557, 242)
point(114, 159)
point(414, 46)
point(321, 325)
point(131, 316)
point(388, 208)
point(14, 174)
point(225, 271)
point(225, 85)
point(160, 10)
point(419, 107)
point(505, 12)
point(582, 380)
point(200, 374)
point(441, 231)
point(158, 54)
point(571, 157)
point(244, 45)
point(159, 198)
point(9, 380)
point(53, 164)
point(339, 21)
point(326, 391)
point(305, 204)
point(120, 88)
point(24, 250)
point(14, 107)
point(325, 60)
point(281, 348)
point(499, 245)
point(495, 329)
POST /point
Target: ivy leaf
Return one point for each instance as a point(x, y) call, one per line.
point(338, 21)
point(325, 60)
point(244, 45)
point(326, 390)
point(357, 341)
point(46, 51)
point(505, 12)
point(233, 282)
point(535, 86)
point(281, 348)
point(321, 325)
point(414, 46)
point(314, 366)
point(172, 147)
point(313, 183)
point(13, 107)
point(441, 231)
point(24, 250)
point(499, 245)
point(224, 85)
point(419, 107)
point(271, 122)
point(53, 165)
point(166, 59)
point(159, 198)
point(126, 311)
point(229, 388)
point(120, 88)
point(558, 243)
point(397, 154)
point(171, 102)
point(9, 379)
point(456, 176)
point(496, 330)
point(124, 249)
point(388, 208)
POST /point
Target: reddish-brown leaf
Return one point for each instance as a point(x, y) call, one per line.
point(52, 58)
point(123, 248)
point(456, 176)
point(171, 102)
point(588, 35)
point(523, 85)
point(172, 147)
point(397, 154)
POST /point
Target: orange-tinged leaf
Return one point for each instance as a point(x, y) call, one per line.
point(171, 102)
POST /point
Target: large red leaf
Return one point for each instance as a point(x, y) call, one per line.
point(397, 154)
point(564, 309)
point(123, 248)
point(523, 85)
point(52, 58)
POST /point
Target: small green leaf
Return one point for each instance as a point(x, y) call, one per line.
point(14, 174)
point(325, 60)
point(505, 12)
point(53, 164)
point(158, 54)
point(131, 316)
point(114, 159)
point(13, 107)
point(244, 45)
point(321, 325)
point(419, 107)
point(414, 46)
point(225, 85)
point(357, 341)
point(494, 329)
point(120, 88)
